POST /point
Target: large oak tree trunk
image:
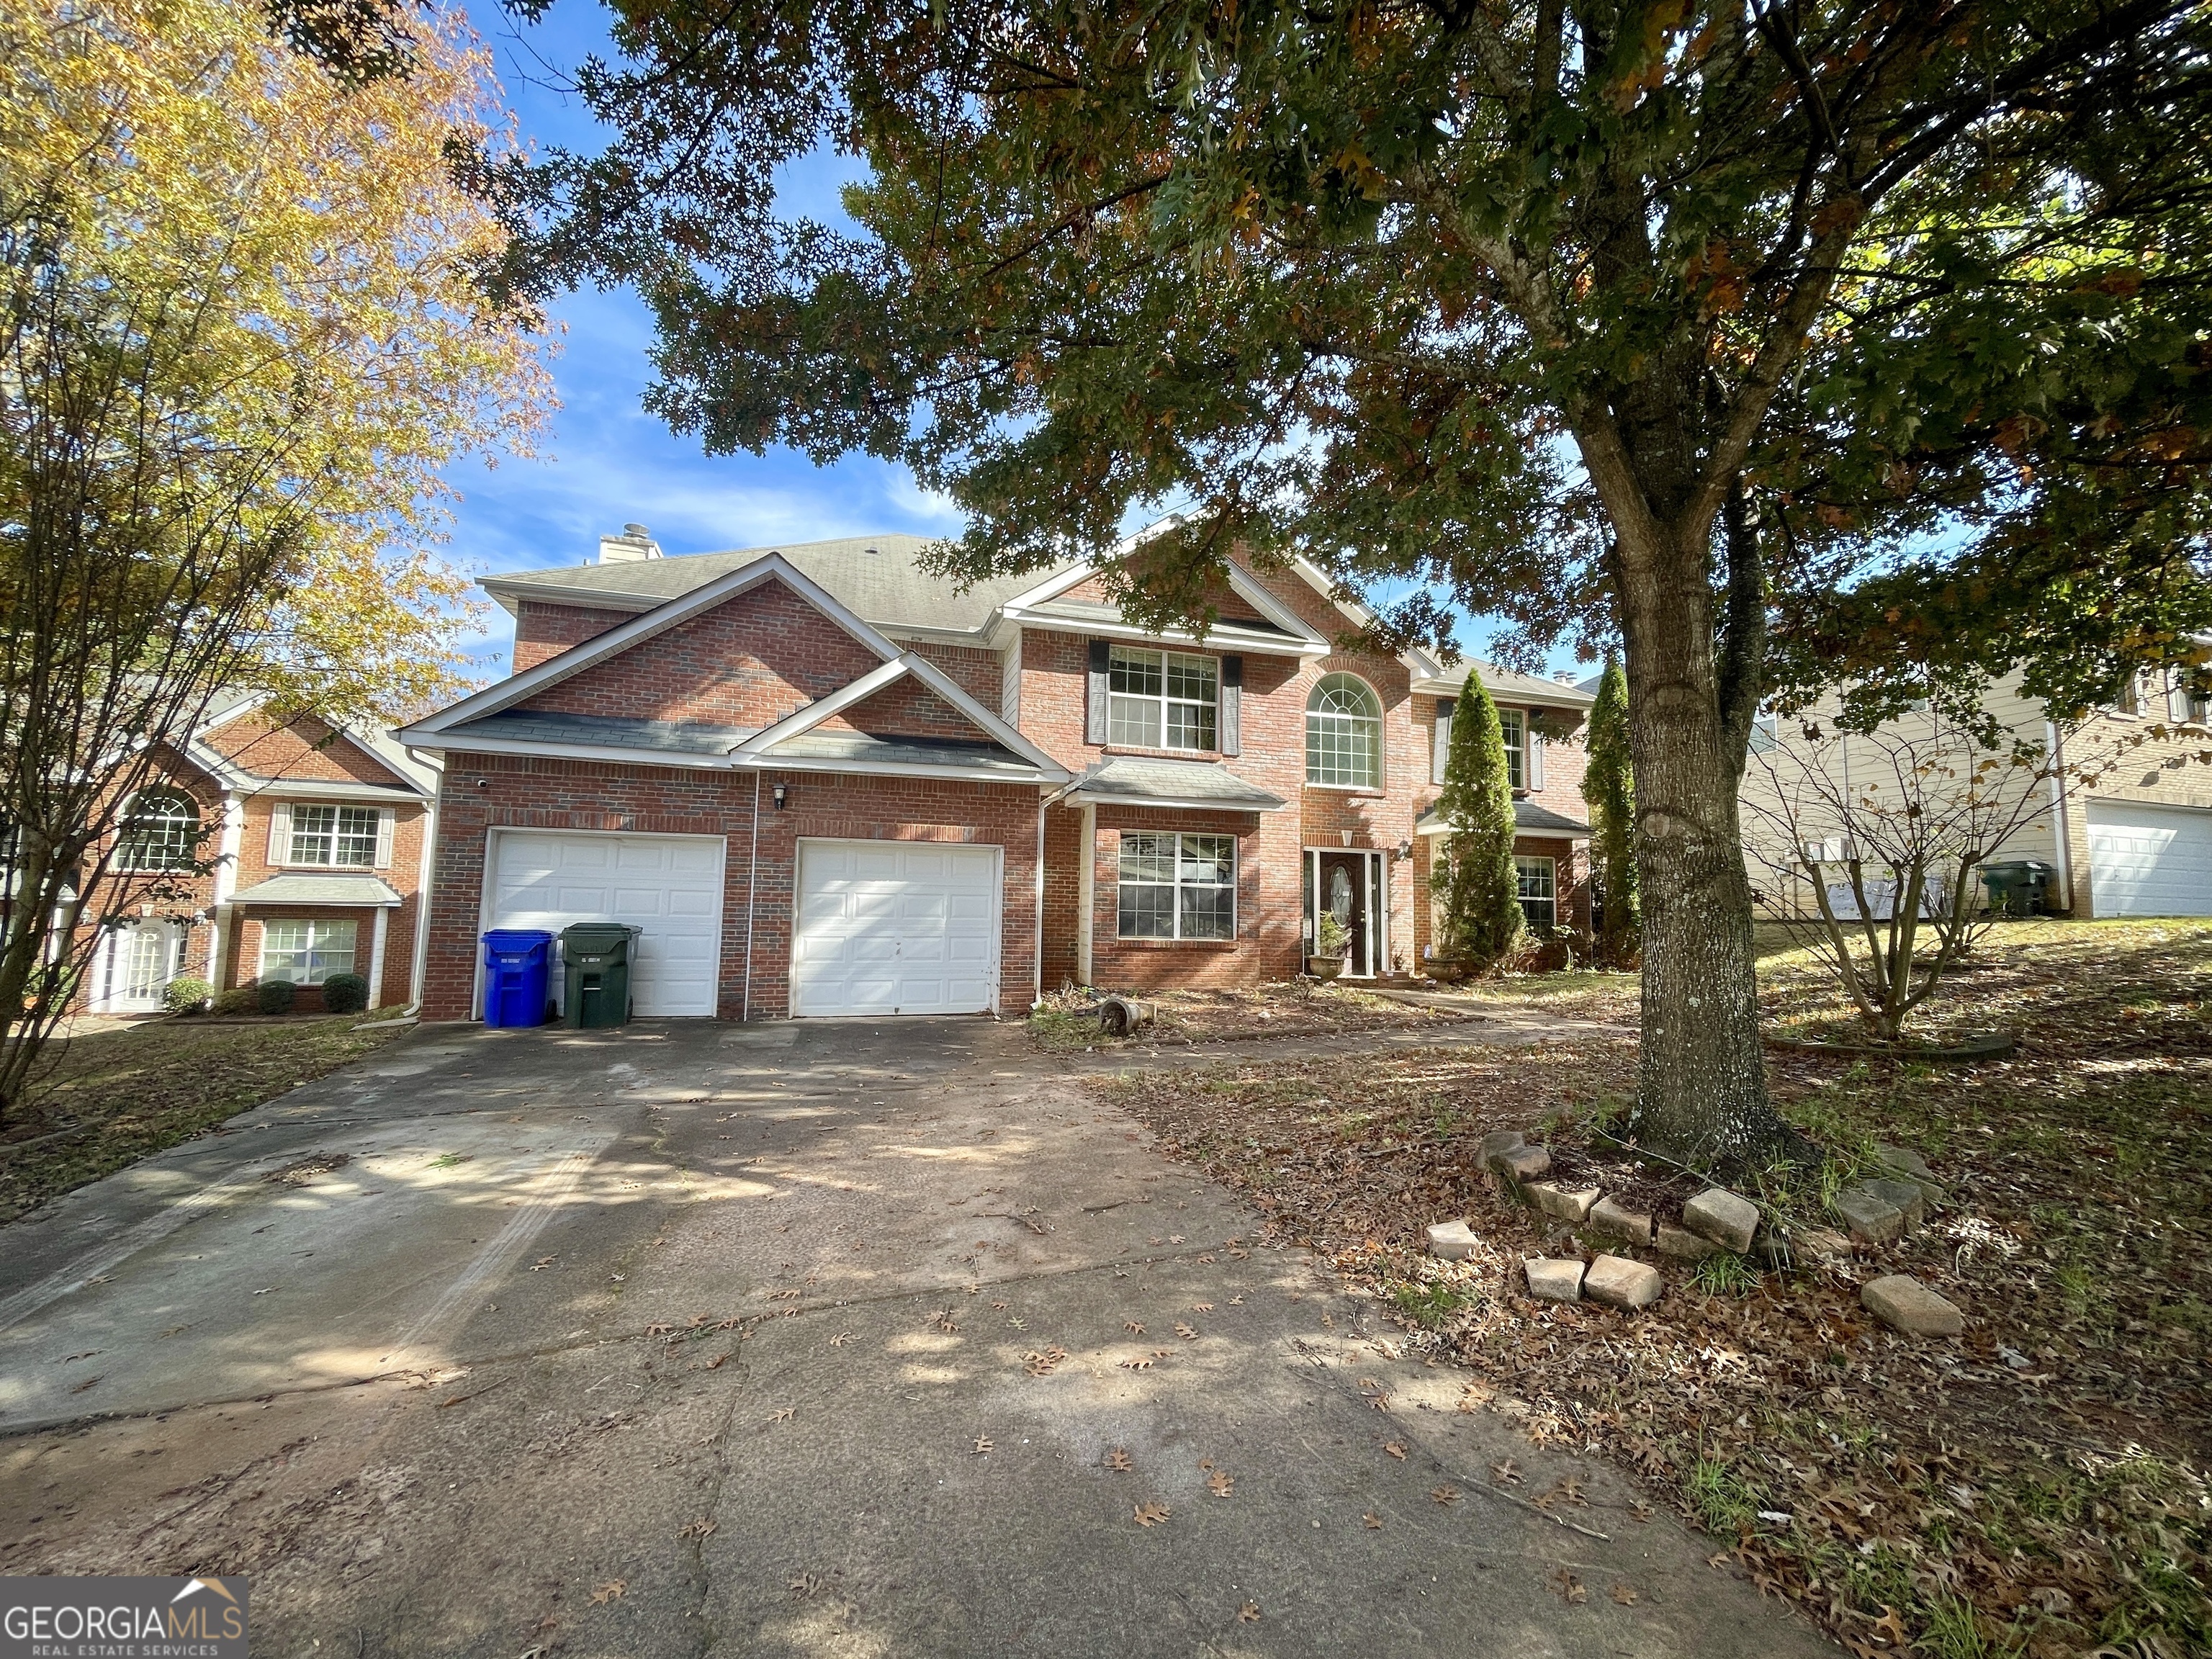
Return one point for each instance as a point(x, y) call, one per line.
point(1701, 1088)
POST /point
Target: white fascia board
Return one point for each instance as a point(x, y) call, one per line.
point(622, 637)
point(952, 769)
point(247, 706)
point(469, 743)
point(331, 789)
point(1253, 590)
point(509, 592)
point(1451, 683)
point(821, 708)
point(989, 720)
point(1088, 797)
point(1050, 588)
point(1306, 647)
point(221, 766)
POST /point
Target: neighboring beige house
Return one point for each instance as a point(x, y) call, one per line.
point(2126, 827)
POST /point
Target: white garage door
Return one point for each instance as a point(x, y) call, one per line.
point(671, 886)
point(2149, 860)
point(895, 927)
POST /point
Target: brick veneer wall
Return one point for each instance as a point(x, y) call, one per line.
point(974, 671)
point(303, 748)
point(749, 661)
point(907, 708)
point(557, 794)
point(546, 630)
point(409, 824)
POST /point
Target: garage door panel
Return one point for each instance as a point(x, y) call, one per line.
point(670, 887)
point(2149, 860)
point(888, 927)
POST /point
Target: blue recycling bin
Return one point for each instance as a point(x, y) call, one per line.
point(518, 975)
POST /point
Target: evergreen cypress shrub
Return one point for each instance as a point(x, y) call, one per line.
point(1609, 789)
point(274, 996)
point(1480, 921)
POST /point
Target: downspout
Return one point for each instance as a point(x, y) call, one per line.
point(753, 884)
point(2061, 831)
point(1086, 892)
point(1036, 953)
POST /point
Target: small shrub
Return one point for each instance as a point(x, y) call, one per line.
point(187, 996)
point(238, 1000)
point(274, 996)
point(345, 993)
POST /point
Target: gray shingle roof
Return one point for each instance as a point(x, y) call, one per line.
point(364, 891)
point(1529, 819)
point(1506, 686)
point(1168, 782)
point(874, 576)
point(615, 731)
point(819, 744)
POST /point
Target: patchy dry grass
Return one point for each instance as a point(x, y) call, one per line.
point(116, 1096)
point(1069, 1019)
point(2038, 1486)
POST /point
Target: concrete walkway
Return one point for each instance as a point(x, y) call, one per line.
point(782, 1340)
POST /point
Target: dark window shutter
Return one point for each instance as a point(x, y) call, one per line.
point(1232, 705)
point(1094, 726)
point(1444, 707)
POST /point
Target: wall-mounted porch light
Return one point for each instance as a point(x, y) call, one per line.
point(779, 791)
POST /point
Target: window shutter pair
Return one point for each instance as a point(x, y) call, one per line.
point(1232, 706)
point(387, 819)
point(280, 833)
point(1442, 756)
point(1094, 724)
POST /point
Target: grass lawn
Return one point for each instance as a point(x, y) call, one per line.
point(2037, 1487)
point(112, 1097)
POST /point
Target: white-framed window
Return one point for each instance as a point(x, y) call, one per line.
point(1177, 886)
point(1539, 897)
point(160, 830)
point(306, 953)
point(2129, 700)
point(1344, 733)
point(1515, 724)
point(1765, 732)
point(1162, 700)
point(340, 836)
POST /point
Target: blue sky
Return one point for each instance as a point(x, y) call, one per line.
point(606, 462)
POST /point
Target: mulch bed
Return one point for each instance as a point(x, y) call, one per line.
point(2037, 1486)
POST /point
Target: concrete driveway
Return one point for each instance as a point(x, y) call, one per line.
point(781, 1340)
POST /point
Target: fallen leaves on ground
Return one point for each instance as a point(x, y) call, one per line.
point(1624, 1594)
point(610, 1591)
point(1248, 1614)
point(1374, 1521)
point(1569, 1588)
point(1446, 1493)
point(1396, 1449)
point(982, 1443)
point(2040, 1483)
point(703, 1527)
point(1151, 1515)
point(1118, 1460)
point(1043, 1362)
point(1220, 1485)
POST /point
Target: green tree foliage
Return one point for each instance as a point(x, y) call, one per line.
point(1610, 791)
point(1644, 320)
point(1480, 921)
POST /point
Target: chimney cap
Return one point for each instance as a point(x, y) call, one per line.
point(636, 533)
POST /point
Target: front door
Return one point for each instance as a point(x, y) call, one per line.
point(141, 961)
point(1344, 892)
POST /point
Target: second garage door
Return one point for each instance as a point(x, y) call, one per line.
point(895, 927)
point(670, 886)
point(2149, 860)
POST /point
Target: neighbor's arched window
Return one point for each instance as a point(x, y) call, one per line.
point(161, 831)
point(1344, 733)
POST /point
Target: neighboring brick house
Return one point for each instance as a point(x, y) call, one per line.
point(820, 780)
point(320, 841)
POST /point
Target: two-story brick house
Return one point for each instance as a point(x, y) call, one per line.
point(821, 781)
point(267, 850)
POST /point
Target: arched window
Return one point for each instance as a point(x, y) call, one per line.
point(1344, 733)
point(161, 831)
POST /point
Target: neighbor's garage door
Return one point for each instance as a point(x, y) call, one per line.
point(2149, 860)
point(669, 885)
point(895, 927)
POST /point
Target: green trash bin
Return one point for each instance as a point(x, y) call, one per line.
point(2018, 887)
point(595, 961)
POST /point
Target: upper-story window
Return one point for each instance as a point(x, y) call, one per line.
point(1344, 733)
point(1515, 724)
point(160, 830)
point(2129, 701)
point(1163, 700)
point(341, 835)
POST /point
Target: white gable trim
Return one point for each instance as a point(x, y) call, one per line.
point(946, 687)
point(821, 708)
point(1022, 607)
point(638, 630)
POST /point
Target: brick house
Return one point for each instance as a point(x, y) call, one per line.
point(821, 781)
point(319, 843)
